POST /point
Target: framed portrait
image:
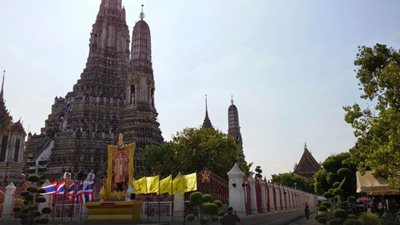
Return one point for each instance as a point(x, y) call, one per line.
point(119, 168)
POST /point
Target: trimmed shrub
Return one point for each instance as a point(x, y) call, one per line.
point(334, 222)
point(210, 208)
point(326, 204)
point(190, 217)
point(370, 219)
point(46, 210)
point(340, 213)
point(218, 203)
point(33, 178)
point(207, 198)
point(196, 198)
point(322, 208)
point(352, 222)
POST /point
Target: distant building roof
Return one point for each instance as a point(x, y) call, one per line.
point(307, 165)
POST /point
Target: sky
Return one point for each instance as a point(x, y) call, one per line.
point(287, 63)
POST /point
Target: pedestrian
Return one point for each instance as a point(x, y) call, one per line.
point(307, 211)
point(230, 217)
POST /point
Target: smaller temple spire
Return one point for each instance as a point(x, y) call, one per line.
point(207, 121)
point(2, 85)
point(141, 16)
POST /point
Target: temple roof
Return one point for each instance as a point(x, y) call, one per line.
point(307, 165)
point(207, 122)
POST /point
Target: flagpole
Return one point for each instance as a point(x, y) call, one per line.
point(159, 200)
point(55, 201)
point(172, 193)
point(63, 204)
point(81, 201)
point(73, 202)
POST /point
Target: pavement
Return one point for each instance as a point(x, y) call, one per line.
point(304, 221)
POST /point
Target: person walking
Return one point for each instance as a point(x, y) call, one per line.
point(230, 217)
point(307, 211)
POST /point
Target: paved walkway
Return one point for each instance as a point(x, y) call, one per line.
point(304, 221)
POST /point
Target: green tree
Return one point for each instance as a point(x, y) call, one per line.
point(292, 180)
point(377, 126)
point(334, 169)
point(193, 150)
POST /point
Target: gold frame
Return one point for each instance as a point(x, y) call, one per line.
point(111, 149)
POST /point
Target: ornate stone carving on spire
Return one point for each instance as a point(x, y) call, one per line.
point(207, 122)
point(233, 123)
point(141, 47)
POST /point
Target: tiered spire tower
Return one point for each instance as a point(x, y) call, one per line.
point(233, 123)
point(114, 94)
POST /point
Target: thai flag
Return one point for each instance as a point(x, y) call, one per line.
point(60, 188)
point(71, 191)
point(88, 191)
point(50, 188)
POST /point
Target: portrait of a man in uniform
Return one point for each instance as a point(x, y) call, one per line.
point(120, 170)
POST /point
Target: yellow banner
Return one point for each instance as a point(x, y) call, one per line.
point(140, 186)
point(166, 185)
point(152, 184)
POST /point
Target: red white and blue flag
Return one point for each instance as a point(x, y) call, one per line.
point(60, 188)
point(71, 190)
point(50, 188)
point(88, 191)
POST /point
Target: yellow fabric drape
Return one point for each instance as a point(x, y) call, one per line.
point(140, 186)
point(152, 184)
point(166, 185)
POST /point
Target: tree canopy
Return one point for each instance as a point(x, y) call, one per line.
point(377, 125)
point(292, 180)
point(334, 169)
point(193, 150)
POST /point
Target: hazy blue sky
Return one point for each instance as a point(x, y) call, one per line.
point(289, 65)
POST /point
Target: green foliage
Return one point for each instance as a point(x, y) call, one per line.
point(218, 203)
point(334, 222)
point(193, 150)
point(322, 208)
point(33, 178)
point(377, 126)
point(334, 169)
point(204, 207)
point(207, 198)
point(292, 180)
point(352, 221)
point(46, 210)
point(29, 213)
point(190, 217)
point(32, 189)
point(210, 208)
point(328, 194)
point(352, 199)
point(340, 213)
point(258, 172)
point(326, 204)
point(196, 198)
point(322, 217)
point(370, 219)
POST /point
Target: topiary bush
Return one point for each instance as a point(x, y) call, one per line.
point(190, 217)
point(326, 204)
point(370, 219)
point(210, 209)
point(28, 213)
point(334, 222)
point(207, 198)
point(204, 208)
point(340, 213)
point(352, 221)
point(322, 208)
